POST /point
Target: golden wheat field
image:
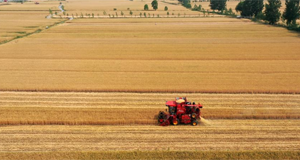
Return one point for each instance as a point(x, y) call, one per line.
point(91, 87)
point(157, 55)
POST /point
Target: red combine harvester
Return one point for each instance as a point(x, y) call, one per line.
point(180, 111)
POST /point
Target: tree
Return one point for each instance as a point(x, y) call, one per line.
point(154, 4)
point(219, 5)
point(187, 3)
point(260, 15)
point(166, 8)
point(222, 5)
point(272, 11)
point(131, 13)
point(256, 6)
point(291, 12)
point(230, 11)
point(63, 8)
point(50, 11)
point(244, 7)
point(239, 6)
point(250, 7)
point(146, 8)
point(213, 4)
point(195, 8)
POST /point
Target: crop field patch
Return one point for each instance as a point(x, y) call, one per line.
point(157, 55)
point(83, 125)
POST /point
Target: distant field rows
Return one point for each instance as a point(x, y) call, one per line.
point(42, 108)
point(216, 135)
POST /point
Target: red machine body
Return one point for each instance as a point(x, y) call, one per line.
point(180, 111)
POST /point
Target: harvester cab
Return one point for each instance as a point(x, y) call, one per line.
point(180, 111)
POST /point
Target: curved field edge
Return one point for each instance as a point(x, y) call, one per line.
point(153, 155)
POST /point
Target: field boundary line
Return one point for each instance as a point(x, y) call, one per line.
point(31, 33)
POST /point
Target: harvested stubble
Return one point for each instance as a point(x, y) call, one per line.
point(68, 108)
point(220, 135)
point(208, 155)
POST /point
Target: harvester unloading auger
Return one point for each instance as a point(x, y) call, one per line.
point(180, 111)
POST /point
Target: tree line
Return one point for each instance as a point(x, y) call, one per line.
point(269, 12)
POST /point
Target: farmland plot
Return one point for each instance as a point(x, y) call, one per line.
point(156, 55)
point(17, 20)
point(74, 125)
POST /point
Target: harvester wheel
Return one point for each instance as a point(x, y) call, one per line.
point(160, 120)
point(194, 123)
point(194, 115)
point(161, 117)
point(175, 123)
